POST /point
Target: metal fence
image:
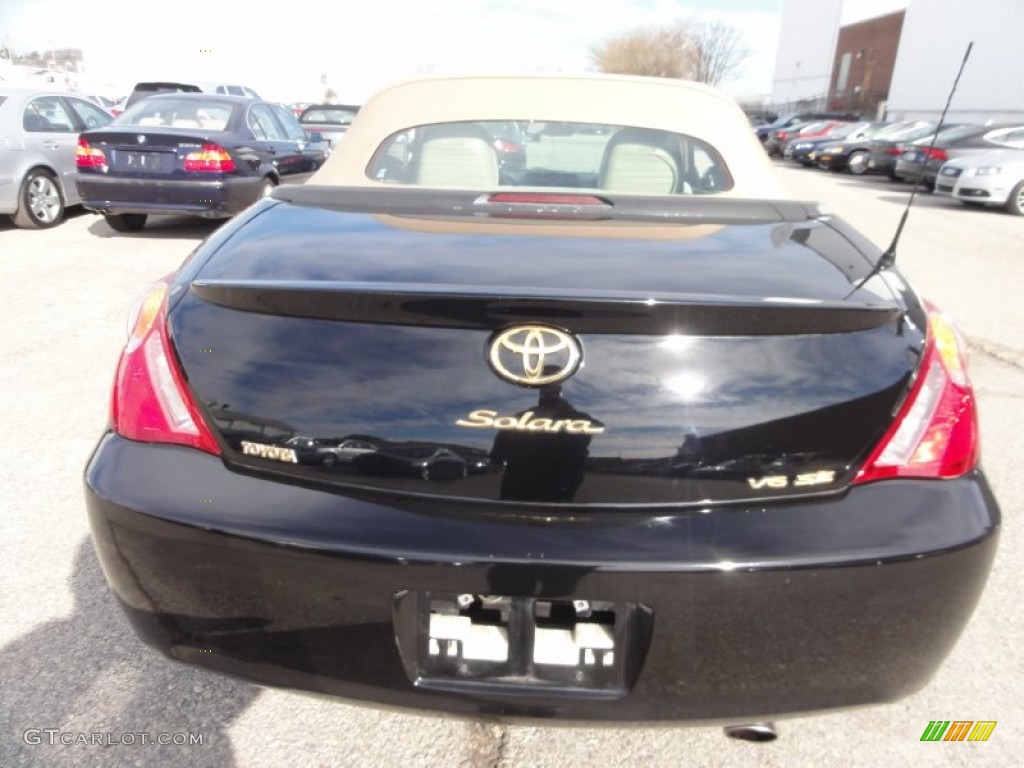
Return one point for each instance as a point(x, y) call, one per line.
point(869, 106)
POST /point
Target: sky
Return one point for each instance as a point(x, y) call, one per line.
point(286, 51)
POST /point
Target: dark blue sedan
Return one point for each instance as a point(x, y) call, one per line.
point(192, 154)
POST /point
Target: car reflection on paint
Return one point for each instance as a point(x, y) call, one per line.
point(343, 452)
point(305, 448)
point(427, 462)
point(478, 461)
point(327, 452)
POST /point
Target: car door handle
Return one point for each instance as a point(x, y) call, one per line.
point(271, 151)
point(51, 145)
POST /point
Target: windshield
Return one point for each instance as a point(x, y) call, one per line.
point(333, 116)
point(522, 153)
point(959, 132)
point(845, 129)
point(917, 131)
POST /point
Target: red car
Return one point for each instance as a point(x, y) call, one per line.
point(818, 130)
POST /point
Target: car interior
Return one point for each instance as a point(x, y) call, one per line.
point(175, 114)
point(464, 155)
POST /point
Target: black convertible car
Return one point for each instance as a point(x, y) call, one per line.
point(729, 459)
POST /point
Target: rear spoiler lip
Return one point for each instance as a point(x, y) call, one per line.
point(418, 201)
point(491, 308)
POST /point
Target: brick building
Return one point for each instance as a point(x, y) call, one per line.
point(865, 58)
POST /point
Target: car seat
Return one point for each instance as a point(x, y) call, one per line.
point(638, 160)
point(456, 155)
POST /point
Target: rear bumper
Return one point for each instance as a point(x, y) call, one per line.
point(746, 612)
point(881, 163)
point(222, 197)
point(909, 171)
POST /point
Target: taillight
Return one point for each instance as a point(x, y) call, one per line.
point(507, 147)
point(89, 157)
point(544, 205)
point(894, 151)
point(935, 434)
point(936, 153)
point(210, 158)
point(543, 198)
point(150, 402)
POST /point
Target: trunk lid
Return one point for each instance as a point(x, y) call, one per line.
point(145, 151)
point(719, 361)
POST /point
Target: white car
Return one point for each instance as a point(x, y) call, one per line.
point(993, 178)
point(230, 89)
point(39, 132)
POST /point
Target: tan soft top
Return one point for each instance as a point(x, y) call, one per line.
point(646, 102)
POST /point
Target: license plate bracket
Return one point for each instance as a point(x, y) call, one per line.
point(143, 161)
point(513, 644)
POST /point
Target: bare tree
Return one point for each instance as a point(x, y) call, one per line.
point(662, 51)
point(718, 51)
point(693, 50)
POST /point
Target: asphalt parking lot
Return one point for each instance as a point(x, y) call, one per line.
point(70, 664)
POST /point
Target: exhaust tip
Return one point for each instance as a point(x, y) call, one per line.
point(752, 732)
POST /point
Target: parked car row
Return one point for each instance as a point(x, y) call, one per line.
point(976, 164)
point(806, 149)
point(767, 133)
point(175, 150)
point(923, 159)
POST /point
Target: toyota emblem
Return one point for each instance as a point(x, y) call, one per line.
point(534, 355)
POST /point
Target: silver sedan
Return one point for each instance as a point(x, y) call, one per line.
point(38, 136)
point(992, 178)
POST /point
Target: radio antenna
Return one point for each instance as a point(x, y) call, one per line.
point(888, 258)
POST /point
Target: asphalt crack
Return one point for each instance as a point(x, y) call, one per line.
point(997, 351)
point(489, 742)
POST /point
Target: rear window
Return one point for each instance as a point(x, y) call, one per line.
point(336, 116)
point(473, 155)
point(178, 113)
point(960, 132)
point(145, 90)
point(845, 129)
point(914, 132)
